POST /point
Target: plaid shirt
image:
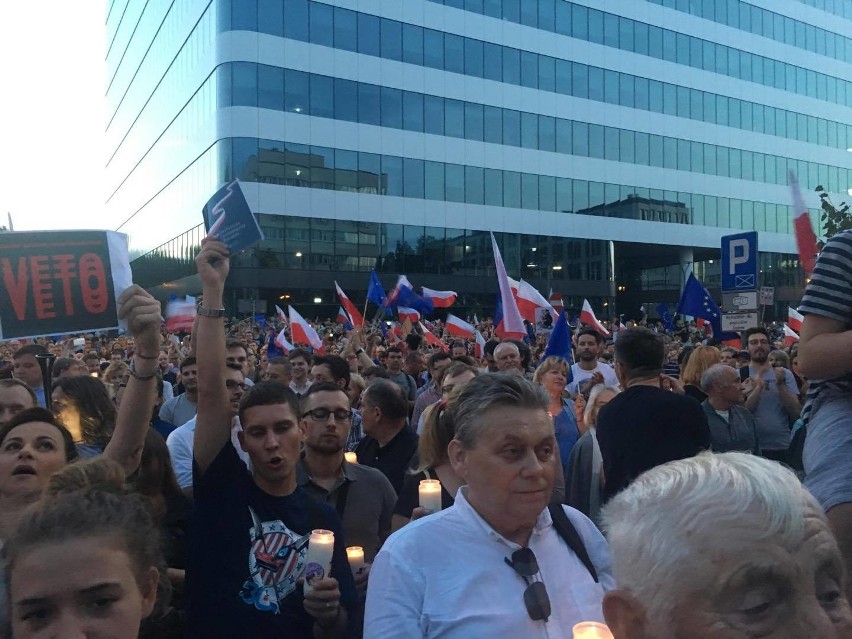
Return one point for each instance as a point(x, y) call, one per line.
point(356, 431)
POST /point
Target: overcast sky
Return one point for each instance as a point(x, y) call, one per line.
point(52, 113)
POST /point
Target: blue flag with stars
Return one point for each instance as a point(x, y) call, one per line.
point(696, 301)
point(375, 291)
point(665, 317)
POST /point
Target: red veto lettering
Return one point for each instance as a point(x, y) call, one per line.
point(52, 279)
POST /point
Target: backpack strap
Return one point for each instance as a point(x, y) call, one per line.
point(569, 534)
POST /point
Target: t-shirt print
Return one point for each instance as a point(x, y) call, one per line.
point(276, 560)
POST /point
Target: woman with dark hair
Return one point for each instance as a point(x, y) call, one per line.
point(83, 404)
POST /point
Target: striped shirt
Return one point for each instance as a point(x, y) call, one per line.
point(829, 294)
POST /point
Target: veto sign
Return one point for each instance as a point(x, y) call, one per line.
point(739, 262)
point(54, 282)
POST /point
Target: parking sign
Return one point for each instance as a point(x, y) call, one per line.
point(739, 262)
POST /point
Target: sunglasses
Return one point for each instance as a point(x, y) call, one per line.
point(537, 602)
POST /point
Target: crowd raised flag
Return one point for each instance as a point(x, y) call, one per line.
point(303, 333)
point(795, 319)
point(458, 327)
point(431, 338)
point(440, 299)
point(529, 300)
point(806, 240)
point(587, 316)
point(696, 301)
point(509, 324)
point(409, 314)
point(790, 336)
point(355, 316)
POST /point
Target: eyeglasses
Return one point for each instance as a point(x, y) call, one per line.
point(322, 414)
point(232, 385)
point(537, 602)
point(758, 343)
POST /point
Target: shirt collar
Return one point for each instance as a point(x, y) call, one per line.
point(543, 522)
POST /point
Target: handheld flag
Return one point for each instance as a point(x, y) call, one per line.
point(457, 326)
point(431, 338)
point(403, 295)
point(375, 291)
point(790, 336)
point(696, 301)
point(282, 316)
point(281, 342)
point(479, 349)
point(795, 319)
point(805, 239)
point(511, 325)
point(665, 317)
point(343, 318)
point(587, 316)
point(440, 299)
point(408, 314)
point(559, 344)
point(354, 314)
point(303, 333)
point(529, 300)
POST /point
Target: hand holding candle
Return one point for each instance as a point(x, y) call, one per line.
point(592, 630)
point(351, 457)
point(430, 495)
point(355, 555)
point(320, 550)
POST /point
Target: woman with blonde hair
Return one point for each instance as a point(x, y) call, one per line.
point(702, 358)
point(552, 374)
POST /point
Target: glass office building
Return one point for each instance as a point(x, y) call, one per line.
point(609, 145)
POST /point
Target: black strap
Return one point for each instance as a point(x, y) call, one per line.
point(567, 531)
point(342, 494)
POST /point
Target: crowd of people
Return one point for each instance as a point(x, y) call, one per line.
point(161, 485)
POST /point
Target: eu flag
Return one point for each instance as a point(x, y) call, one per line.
point(665, 317)
point(559, 343)
point(375, 291)
point(696, 301)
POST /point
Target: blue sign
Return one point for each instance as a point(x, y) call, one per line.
point(227, 216)
point(739, 262)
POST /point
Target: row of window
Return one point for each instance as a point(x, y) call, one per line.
point(837, 7)
point(318, 23)
point(310, 94)
point(548, 14)
point(288, 164)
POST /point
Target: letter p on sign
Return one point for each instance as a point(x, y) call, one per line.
point(738, 254)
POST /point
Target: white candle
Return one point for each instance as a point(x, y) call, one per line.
point(355, 555)
point(351, 457)
point(320, 550)
point(592, 630)
point(430, 495)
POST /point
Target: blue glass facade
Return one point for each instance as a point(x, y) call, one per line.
point(412, 128)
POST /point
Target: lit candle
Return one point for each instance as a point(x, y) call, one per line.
point(592, 630)
point(318, 562)
point(355, 555)
point(351, 457)
point(430, 495)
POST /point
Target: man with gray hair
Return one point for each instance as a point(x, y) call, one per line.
point(507, 357)
point(731, 426)
point(723, 546)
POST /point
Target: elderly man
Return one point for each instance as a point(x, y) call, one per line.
point(507, 357)
point(731, 426)
point(492, 563)
point(723, 546)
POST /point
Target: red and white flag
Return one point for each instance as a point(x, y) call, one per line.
point(458, 327)
point(303, 333)
point(511, 325)
point(530, 300)
point(342, 317)
point(281, 314)
point(440, 299)
point(180, 316)
point(479, 349)
point(354, 314)
point(805, 237)
point(587, 316)
point(795, 319)
point(409, 314)
point(431, 338)
point(281, 341)
point(556, 300)
point(790, 336)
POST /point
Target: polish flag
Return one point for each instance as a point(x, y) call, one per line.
point(511, 324)
point(351, 309)
point(458, 327)
point(556, 301)
point(479, 350)
point(587, 316)
point(440, 299)
point(795, 319)
point(790, 336)
point(409, 314)
point(431, 338)
point(805, 238)
point(281, 341)
point(342, 317)
point(302, 332)
point(530, 300)
point(281, 314)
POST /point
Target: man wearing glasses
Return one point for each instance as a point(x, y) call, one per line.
point(497, 563)
point(772, 396)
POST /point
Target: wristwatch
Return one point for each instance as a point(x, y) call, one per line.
point(210, 312)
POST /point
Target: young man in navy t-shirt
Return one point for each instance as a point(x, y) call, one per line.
point(250, 531)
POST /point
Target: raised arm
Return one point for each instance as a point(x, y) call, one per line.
point(143, 316)
point(213, 420)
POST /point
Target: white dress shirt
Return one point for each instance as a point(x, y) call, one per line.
point(180, 442)
point(445, 576)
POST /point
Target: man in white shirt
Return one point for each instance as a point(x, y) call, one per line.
point(587, 371)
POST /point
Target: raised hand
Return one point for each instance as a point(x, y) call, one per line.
point(144, 318)
point(213, 263)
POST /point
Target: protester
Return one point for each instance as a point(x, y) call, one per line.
point(587, 371)
point(236, 354)
point(723, 546)
point(182, 408)
point(648, 424)
point(728, 356)
point(278, 369)
point(300, 366)
point(87, 411)
point(441, 575)
point(28, 370)
point(507, 358)
point(15, 396)
point(732, 427)
point(552, 375)
point(235, 586)
point(332, 369)
point(400, 377)
point(701, 359)
point(431, 392)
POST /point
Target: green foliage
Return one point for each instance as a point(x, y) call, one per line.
point(834, 218)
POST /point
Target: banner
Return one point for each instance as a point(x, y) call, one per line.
point(56, 282)
point(227, 216)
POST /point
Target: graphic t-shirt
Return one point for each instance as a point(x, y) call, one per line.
point(247, 550)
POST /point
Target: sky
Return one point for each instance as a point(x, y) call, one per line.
point(52, 114)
